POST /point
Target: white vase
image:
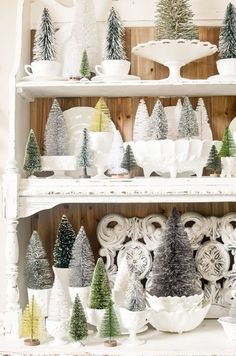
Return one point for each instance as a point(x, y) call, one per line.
point(101, 143)
point(229, 327)
point(226, 67)
point(42, 297)
point(95, 316)
point(228, 165)
point(58, 330)
point(58, 164)
point(63, 275)
point(133, 321)
point(83, 293)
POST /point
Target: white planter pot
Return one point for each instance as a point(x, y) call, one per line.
point(95, 316)
point(83, 293)
point(133, 321)
point(42, 297)
point(58, 164)
point(101, 143)
point(228, 167)
point(226, 66)
point(50, 69)
point(174, 304)
point(63, 275)
point(58, 330)
point(113, 67)
point(180, 321)
point(229, 327)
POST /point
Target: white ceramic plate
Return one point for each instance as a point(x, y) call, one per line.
point(32, 78)
point(222, 78)
point(114, 78)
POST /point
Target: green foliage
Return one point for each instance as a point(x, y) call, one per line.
point(84, 67)
point(64, 243)
point(174, 20)
point(128, 161)
point(213, 162)
point(31, 322)
point(37, 271)
point(32, 159)
point(85, 156)
point(100, 293)
point(228, 148)
point(78, 323)
point(110, 326)
point(188, 126)
point(227, 40)
point(101, 121)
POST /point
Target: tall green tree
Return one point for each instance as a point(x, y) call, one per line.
point(78, 328)
point(213, 162)
point(85, 157)
point(128, 162)
point(32, 159)
point(228, 148)
point(227, 40)
point(110, 326)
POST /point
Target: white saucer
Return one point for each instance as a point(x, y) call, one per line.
point(32, 78)
point(222, 78)
point(114, 78)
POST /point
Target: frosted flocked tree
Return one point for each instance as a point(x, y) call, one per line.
point(31, 324)
point(205, 132)
point(173, 271)
point(101, 120)
point(115, 32)
point(44, 47)
point(32, 158)
point(213, 162)
point(135, 296)
point(58, 309)
point(110, 326)
point(232, 312)
point(64, 243)
point(82, 262)
point(141, 130)
point(116, 155)
point(228, 148)
point(188, 126)
point(78, 328)
point(159, 122)
point(37, 270)
point(100, 293)
point(84, 66)
point(227, 40)
point(72, 60)
point(121, 282)
point(55, 135)
point(85, 157)
point(174, 20)
point(128, 162)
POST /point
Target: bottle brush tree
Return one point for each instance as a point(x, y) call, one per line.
point(232, 312)
point(135, 296)
point(110, 326)
point(64, 243)
point(100, 293)
point(85, 157)
point(58, 309)
point(174, 20)
point(78, 328)
point(188, 126)
point(84, 67)
point(228, 148)
point(141, 130)
point(116, 155)
point(37, 270)
point(227, 40)
point(115, 33)
point(128, 162)
point(213, 162)
point(205, 132)
point(32, 159)
point(173, 271)
point(101, 120)
point(82, 262)
point(159, 122)
point(44, 47)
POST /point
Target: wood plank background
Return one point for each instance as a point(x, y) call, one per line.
point(221, 111)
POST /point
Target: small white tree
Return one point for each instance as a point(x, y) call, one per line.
point(116, 155)
point(58, 309)
point(205, 132)
point(232, 312)
point(72, 62)
point(122, 277)
point(55, 135)
point(159, 122)
point(135, 296)
point(188, 126)
point(141, 130)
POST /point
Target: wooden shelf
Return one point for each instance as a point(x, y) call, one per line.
point(195, 88)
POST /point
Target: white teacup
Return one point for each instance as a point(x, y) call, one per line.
point(226, 66)
point(113, 67)
point(43, 69)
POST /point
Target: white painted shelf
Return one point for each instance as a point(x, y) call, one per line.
point(208, 339)
point(40, 194)
point(31, 90)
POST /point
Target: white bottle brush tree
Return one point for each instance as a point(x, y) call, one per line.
point(44, 47)
point(85, 157)
point(116, 155)
point(135, 296)
point(232, 312)
point(174, 20)
point(159, 122)
point(115, 34)
point(141, 130)
point(205, 132)
point(59, 309)
point(227, 40)
point(82, 262)
point(188, 126)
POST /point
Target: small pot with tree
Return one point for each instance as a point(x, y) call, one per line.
point(31, 324)
point(110, 326)
point(227, 154)
point(213, 162)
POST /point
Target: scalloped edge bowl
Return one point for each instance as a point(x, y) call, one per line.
point(174, 304)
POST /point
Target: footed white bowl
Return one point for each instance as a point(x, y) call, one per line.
point(133, 322)
point(95, 316)
point(58, 330)
point(229, 327)
point(174, 304)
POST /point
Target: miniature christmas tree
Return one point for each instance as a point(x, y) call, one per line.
point(37, 271)
point(121, 282)
point(64, 243)
point(85, 158)
point(159, 123)
point(188, 126)
point(82, 262)
point(44, 48)
point(227, 41)
point(232, 312)
point(72, 60)
point(101, 121)
point(84, 67)
point(173, 271)
point(114, 43)
point(59, 309)
point(141, 123)
point(116, 155)
point(228, 148)
point(32, 159)
point(55, 135)
point(174, 20)
point(78, 323)
point(129, 163)
point(31, 324)
point(213, 162)
point(203, 121)
point(100, 293)
point(135, 296)
point(110, 326)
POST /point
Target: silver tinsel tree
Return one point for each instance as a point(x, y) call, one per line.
point(85, 157)
point(173, 271)
point(135, 296)
point(82, 262)
point(227, 41)
point(188, 126)
point(44, 42)
point(55, 134)
point(141, 130)
point(37, 270)
point(115, 32)
point(174, 19)
point(159, 122)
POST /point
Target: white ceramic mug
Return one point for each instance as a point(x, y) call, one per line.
point(226, 66)
point(113, 67)
point(43, 69)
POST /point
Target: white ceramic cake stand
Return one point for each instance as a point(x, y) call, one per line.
point(174, 54)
